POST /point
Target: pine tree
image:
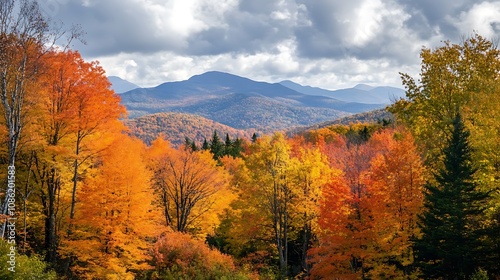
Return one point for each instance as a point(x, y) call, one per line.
point(228, 146)
point(205, 145)
point(450, 244)
point(216, 146)
point(237, 147)
point(193, 146)
point(254, 137)
point(187, 142)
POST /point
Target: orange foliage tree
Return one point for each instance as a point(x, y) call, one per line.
point(368, 215)
point(77, 108)
point(117, 217)
point(395, 181)
point(86, 106)
point(331, 257)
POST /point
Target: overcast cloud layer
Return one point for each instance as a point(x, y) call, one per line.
point(327, 43)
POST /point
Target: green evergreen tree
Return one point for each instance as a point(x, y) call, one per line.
point(254, 138)
point(205, 145)
point(194, 147)
point(216, 146)
point(188, 144)
point(364, 134)
point(237, 147)
point(450, 246)
point(228, 146)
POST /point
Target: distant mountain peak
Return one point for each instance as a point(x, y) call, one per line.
point(364, 87)
point(120, 85)
point(290, 83)
point(211, 76)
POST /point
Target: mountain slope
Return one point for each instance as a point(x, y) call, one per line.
point(239, 102)
point(177, 126)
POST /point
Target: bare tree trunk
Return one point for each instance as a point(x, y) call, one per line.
point(305, 245)
point(50, 219)
point(75, 183)
point(25, 196)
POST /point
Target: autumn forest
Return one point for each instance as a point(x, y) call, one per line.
point(413, 197)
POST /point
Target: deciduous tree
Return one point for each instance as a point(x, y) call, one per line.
point(312, 173)
point(23, 33)
point(77, 109)
point(117, 218)
point(395, 183)
point(178, 255)
point(190, 187)
point(331, 257)
point(271, 166)
point(368, 212)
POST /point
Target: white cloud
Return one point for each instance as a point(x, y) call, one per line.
point(324, 43)
point(185, 17)
point(368, 21)
point(483, 18)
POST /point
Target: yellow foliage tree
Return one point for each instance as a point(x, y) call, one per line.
point(312, 173)
point(190, 188)
point(457, 78)
point(117, 216)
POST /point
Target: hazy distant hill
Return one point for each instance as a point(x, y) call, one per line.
point(239, 102)
point(360, 93)
point(120, 85)
point(177, 126)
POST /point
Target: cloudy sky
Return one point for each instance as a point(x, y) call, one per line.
point(327, 43)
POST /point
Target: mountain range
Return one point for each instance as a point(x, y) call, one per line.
point(242, 103)
point(361, 93)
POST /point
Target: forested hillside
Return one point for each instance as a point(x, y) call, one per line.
point(176, 127)
point(81, 198)
point(381, 116)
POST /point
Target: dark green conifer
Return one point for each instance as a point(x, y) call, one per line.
point(205, 145)
point(451, 243)
point(237, 147)
point(187, 142)
point(194, 147)
point(228, 146)
point(216, 146)
point(254, 138)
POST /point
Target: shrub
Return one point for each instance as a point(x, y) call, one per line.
point(180, 256)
